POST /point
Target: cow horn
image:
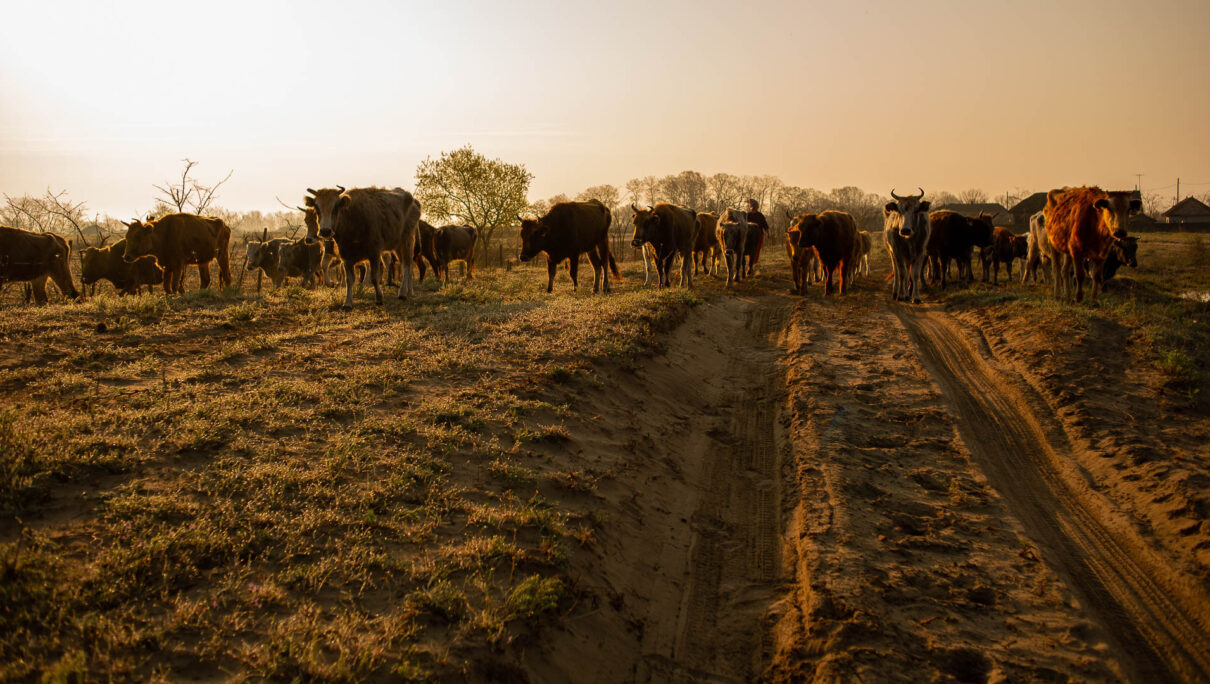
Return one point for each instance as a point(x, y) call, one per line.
point(894, 196)
point(650, 208)
point(634, 208)
point(302, 209)
point(342, 189)
point(921, 193)
point(519, 219)
point(264, 234)
point(310, 191)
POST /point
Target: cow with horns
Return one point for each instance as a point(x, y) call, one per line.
point(906, 232)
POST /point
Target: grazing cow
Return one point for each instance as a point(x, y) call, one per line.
point(1082, 224)
point(109, 263)
point(732, 233)
point(1124, 253)
point(177, 240)
point(707, 248)
point(1039, 251)
point(906, 234)
point(865, 246)
point(366, 223)
point(454, 243)
point(671, 230)
point(566, 231)
point(832, 235)
point(953, 237)
point(26, 256)
point(1005, 247)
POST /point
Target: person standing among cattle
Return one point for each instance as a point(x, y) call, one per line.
point(366, 223)
point(177, 240)
point(671, 230)
point(757, 219)
point(566, 231)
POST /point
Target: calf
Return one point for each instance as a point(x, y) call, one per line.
point(177, 240)
point(1124, 253)
point(953, 237)
point(832, 235)
point(301, 259)
point(671, 230)
point(566, 231)
point(906, 233)
point(109, 263)
point(1004, 248)
point(865, 246)
point(1082, 224)
point(266, 255)
point(454, 243)
point(1039, 251)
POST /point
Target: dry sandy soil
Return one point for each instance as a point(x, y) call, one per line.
point(736, 486)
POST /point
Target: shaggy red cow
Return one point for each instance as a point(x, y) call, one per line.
point(1082, 224)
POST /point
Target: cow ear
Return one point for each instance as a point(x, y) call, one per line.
point(344, 200)
point(924, 206)
point(308, 201)
point(891, 207)
point(1102, 204)
point(1136, 206)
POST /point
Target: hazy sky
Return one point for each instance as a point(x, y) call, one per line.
point(103, 99)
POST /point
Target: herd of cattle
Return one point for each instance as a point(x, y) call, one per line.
point(1081, 233)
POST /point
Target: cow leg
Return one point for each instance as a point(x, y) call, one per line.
point(573, 269)
point(1098, 278)
point(594, 260)
point(350, 276)
point(376, 271)
point(551, 268)
point(687, 270)
point(1009, 269)
point(203, 273)
point(1080, 276)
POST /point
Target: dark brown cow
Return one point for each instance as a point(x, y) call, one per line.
point(180, 239)
point(671, 230)
point(707, 249)
point(832, 235)
point(455, 243)
point(298, 258)
point(425, 250)
point(31, 257)
point(265, 254)
point(953, 237)
point(1005, 247)
point(1124, 253)
point(109, 263)
point(800, 259)
point(566, 231)
point(1082, 224)
point(365, 223)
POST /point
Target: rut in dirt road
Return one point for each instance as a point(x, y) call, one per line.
point(1159, 621)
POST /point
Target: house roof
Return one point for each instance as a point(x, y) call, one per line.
point(1190, 206)
point(1002, 217)
point(1030, 205)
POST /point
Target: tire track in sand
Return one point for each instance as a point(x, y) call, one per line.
point(1157, 618)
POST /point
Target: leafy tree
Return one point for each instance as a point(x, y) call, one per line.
point(466, 186)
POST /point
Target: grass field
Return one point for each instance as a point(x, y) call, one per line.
point(216, 483)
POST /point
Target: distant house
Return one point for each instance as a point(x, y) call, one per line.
point(1027, 207)
point(1001, 217)
point(1188, 210)
point(1142, 223)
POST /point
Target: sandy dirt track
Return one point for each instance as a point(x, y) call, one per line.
point(847, 489)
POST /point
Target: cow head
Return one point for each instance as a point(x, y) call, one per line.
point(327, 203)
point(533, 238)
point(1115, 210)
point(648, 226)
point(1020, 246)
point(807, 226)
point(1128, 250)
point(733, 237)
point(983, 231)
point(138, 240)
point(92, 265)
point(912, 213)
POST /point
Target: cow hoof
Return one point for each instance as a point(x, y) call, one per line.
point(347, 307)
point(916, 300)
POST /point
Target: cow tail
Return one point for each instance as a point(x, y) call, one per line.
point(613, 266)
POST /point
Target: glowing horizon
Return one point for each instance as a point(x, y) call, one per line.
point(105, 101)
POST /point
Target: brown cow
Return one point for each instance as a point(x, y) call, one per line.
point(566, 231)
point(800, 260)
point(425, 250)
point(732, 233)
point(454, 243)
point(366, 223)
point(953, 237)
point(707, 248)
point(832, 235)
point(180, 239)
point(26, 256)
point(109, 263)
point(1005, 247)
point(671, 230)
point(266, 255)
point(1082, 224)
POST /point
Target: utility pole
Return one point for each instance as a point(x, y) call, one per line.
point(1178, 192)
point(1138, 185)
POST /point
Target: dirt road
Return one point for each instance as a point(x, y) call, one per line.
point(845, 488)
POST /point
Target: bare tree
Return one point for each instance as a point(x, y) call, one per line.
point(189, 193)
point(605, 194)
point(54, 212)
point(972, 196)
